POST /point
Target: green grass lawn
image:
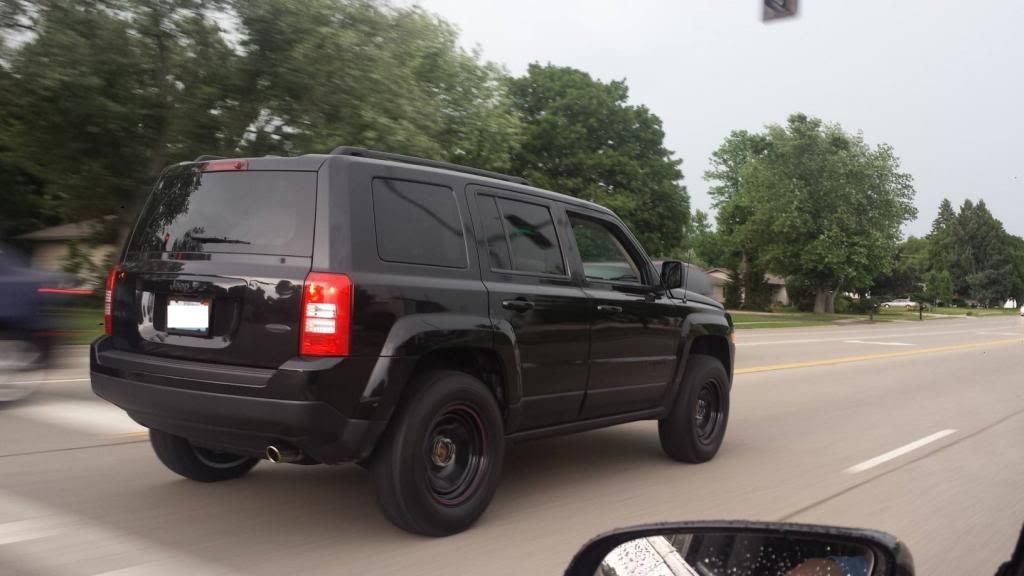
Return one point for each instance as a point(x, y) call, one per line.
point(789, 319)
point(976, 311)
point(792, 319)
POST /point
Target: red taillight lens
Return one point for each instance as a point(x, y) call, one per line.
point(225, 165)
point(108, 299)
point(326, 315)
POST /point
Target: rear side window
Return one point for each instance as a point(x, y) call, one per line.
point(418, 224)
point(531, 237)
point(233, 212)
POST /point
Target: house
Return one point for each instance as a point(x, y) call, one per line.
point(721, 277)
point(50, 247)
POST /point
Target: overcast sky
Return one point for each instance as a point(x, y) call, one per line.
point(941, 81)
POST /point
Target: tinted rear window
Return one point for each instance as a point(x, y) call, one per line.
point(418, 224)
point(236, 212)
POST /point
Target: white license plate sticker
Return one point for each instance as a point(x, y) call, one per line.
point(188, 315)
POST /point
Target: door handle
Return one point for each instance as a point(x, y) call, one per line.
point(609, 309)
point(517, 305)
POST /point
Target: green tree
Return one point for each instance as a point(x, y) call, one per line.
point(582, 138)
point(939, 287)
point(99, 96)
point(909, 271)
point(1016, 248)
point(710, 248)
point(815, 201)
point(329, 72)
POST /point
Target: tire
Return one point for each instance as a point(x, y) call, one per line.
point(695, 427)
point(910, 307)
point(438, 465)
point(886, 306)
point(196, 463)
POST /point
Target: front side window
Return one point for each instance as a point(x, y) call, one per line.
point(604, 257)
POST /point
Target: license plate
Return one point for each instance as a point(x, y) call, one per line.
point(191, 316)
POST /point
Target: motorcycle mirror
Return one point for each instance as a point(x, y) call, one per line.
point(749, 548)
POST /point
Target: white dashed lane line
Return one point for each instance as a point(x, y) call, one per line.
point(893, 454)
point(877, 343)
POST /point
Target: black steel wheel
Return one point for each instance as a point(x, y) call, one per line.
point(456, 454)
point(694, 428)
point(438, 465)
point(708, 415)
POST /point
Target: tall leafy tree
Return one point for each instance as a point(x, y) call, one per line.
point(328, 72)
point(77, 120)
point(817, 202)
point(983, 261)
point(99, 96)
point(740, 252)
point(582, 138)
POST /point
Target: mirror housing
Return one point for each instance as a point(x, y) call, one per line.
point(672, 274)
point(888, 556)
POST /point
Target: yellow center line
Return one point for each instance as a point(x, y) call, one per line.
point(129, 435)
point(881, 356)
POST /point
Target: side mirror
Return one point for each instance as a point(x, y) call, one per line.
point(726, 548)
point(672, 274)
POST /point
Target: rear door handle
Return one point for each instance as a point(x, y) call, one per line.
point(609, 309)
point(517, 305)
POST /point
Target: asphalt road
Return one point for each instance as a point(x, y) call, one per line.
point(817, 414)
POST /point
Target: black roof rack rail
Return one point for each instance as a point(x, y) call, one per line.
point(376, 155)
point(205, 157)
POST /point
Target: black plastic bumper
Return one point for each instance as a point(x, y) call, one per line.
point(242, 424)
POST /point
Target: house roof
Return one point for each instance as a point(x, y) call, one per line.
point(771, 279)
point(73, 231)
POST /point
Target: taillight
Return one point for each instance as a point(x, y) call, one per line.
point(326, 315)
point(108, 300)
point(225, 165)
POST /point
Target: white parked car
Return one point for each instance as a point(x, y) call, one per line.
point(900, 303)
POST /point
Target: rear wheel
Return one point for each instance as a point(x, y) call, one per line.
point(195, 462)
point(439, 463)
point(695, 427)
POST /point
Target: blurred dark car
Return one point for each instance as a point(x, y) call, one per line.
point(28, 332)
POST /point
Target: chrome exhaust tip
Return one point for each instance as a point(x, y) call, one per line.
point(282, 454)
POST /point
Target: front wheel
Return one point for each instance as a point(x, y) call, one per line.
point(438, 465)
point(197, 463)
point(695, 427)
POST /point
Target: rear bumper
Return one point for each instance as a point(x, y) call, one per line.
point(244, 423)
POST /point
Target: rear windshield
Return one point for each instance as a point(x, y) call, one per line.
point(236, 212)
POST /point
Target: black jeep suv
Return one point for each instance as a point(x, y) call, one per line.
point(408, 315)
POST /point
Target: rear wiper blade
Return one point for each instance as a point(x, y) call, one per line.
point(215, 240)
